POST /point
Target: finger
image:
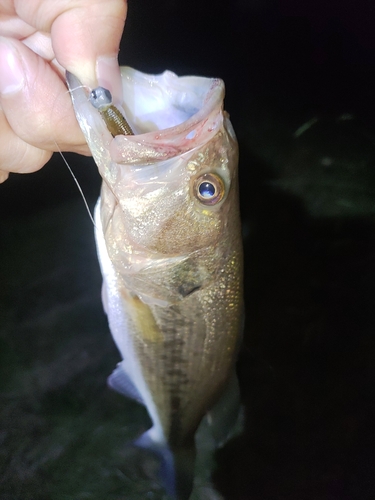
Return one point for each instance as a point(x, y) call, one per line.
point(85, 35)
point(11, 25)
point(17, 155)
point(35, 101)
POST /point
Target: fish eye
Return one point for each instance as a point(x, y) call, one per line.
point(209, 189)
point(100, 97)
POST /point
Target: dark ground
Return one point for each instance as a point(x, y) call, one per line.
point(308, 204)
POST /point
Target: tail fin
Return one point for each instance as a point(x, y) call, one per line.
point(176, 466)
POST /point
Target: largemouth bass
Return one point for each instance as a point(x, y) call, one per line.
point(169, 244)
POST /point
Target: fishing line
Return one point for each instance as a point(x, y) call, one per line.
point(71, 171)
point(78, 185)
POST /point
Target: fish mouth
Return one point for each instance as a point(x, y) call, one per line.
point(169, 115)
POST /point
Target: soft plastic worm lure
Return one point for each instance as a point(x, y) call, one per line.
point(101, 99)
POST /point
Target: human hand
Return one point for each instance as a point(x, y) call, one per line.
point(39, 39)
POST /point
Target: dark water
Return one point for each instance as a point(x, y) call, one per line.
point(306, 369)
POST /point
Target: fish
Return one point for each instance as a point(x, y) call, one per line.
point(168, 236)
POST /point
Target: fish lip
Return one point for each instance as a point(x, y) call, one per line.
point(76, 88)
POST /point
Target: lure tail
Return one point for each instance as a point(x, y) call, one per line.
point(176, 466)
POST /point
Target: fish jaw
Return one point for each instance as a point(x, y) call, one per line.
point(177, 263)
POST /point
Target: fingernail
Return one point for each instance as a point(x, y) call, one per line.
point(109, 76)
point(11, 71)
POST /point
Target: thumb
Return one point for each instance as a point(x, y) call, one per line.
point(85, 36)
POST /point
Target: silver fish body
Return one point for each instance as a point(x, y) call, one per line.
point(169, 244)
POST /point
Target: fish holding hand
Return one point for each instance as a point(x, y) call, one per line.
point(169, 244)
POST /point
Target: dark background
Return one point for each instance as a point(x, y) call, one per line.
point(307, 197)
